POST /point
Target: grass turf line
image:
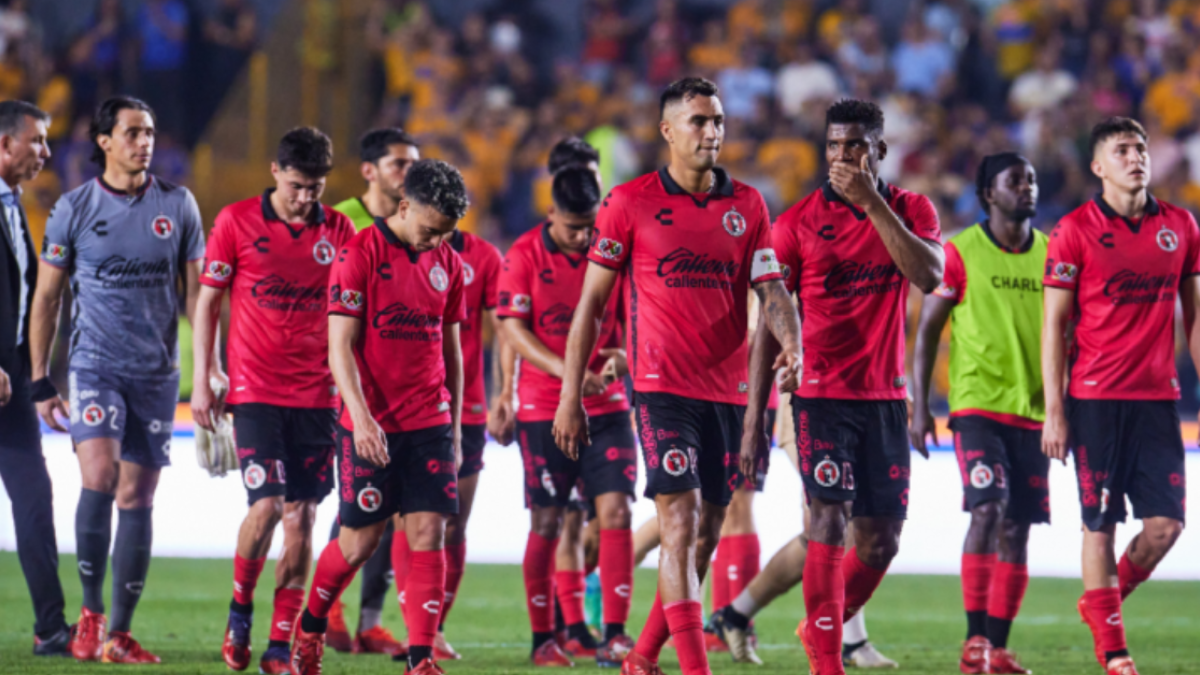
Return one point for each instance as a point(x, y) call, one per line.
point(916, 620)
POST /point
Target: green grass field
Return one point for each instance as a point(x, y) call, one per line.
point(914, 619)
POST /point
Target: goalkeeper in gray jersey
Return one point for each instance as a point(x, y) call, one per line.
point(130, 244)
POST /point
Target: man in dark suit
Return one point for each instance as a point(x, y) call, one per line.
point(23, 152)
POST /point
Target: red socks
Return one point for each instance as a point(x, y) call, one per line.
point(288, 602)
point(824, 598)
point(332, 577)
point(616, 578)
point(977, 580)
point(686, 620)
point(539, 584)
point(570, 588)
point(424, 592)
point(741, 558)
point(245, 578)
point(861, 582)
point(400, 564)
point(456, 560)
point(720, 575)
point(1130, 575)
point(1104, 608)
point(655, 633)
point(1009, 582)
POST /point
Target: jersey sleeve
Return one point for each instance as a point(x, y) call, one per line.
point(954, 279)
point(614, 233)
point(514, 297)
point(491, 277)
point(764, 265)
point(456, 304)
point(787, 251)
point(922, 218)
point(1191, 261)
point(58, 247)
point(1064, 258)
point(348, 282)
point(192, 228)
point(220, 256)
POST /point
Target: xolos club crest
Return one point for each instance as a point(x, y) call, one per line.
point(162, 227)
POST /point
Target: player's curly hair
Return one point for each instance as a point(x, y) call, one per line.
point(432, 182)
point(306, 150)
point(575, 190)
point(104, 120)
point(684, 89)
point(1115, 126)
point(571, 150)
point(856, 111)
point(375, 143)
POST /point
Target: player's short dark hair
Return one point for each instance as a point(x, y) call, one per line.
point(1115, 126)
point(685, 89)
point(104, 120)
point(856, 111)
point(432, 182)
point(375, 143)
point(307, 150)
point(13, 114)
point(575, 190)
point(571, 150)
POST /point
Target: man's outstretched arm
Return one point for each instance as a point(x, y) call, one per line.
point(570, 422)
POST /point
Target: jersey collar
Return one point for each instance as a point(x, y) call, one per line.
point(457, 241)
point(1152, 209)
point(833, 197)
point(548, 242)
point(722, 186)
point(129, 196)
point(269, 212)
point(986, 226)
point(392, 240)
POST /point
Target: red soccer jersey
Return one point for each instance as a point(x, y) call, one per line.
point(1126, 277)
point(404, 299)
point(481, 277)
point(542, 283)
point(689, 261)
point(852, 295)
point(277, 275)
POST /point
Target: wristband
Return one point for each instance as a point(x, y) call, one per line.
point(42, 390)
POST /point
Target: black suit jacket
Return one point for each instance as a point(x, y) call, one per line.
point(10, 293)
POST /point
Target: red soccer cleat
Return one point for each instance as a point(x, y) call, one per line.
point(813, 668)
point(550, 655)
point(425, 667)
point(636, 664)
point(1003, 662)
point(577, 650)
point(1087, 619)
point(87, 644)
point(307, 651)
point(122, 648)
point(337, 636)
point(1122, 665)
point(612, 654)
point(975, 656)
point(275, 661)
point(712, 643)
point(236, 648)
point(442, 651)
point(376, 640)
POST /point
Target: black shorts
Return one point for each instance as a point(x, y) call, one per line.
point(1127, 448)
point(285, 452)
point(609, 464)
point(474, 439)
point(420, 478)
point(690, 444)
point(854, 451)
point(1001, 462)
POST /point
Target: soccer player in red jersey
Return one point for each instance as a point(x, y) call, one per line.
point(539, 288)
point(1114, 269)
point(851, 249)
point(688, 242)
point(395, 306)
point(273, 254)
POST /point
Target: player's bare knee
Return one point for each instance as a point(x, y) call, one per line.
point(427, 533)
point(359, 544)
point(546, 522)
point(986, 517)
point(1160, 534)
point(456, 531)
point(679, 520)
point(613, 512)
point(299, 517)
point(266, 513)
point(828, 522)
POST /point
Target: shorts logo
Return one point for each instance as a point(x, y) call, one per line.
point(163, 227)
point(1104, 495)
point(522, 303)
point(438, 278)
point(675, 462)
point(982, 477)
point(370, 499)
point(827, 474)
point(548, 483)
point(323, 251)
point(219, 270)
point(609, 249)
point(1167, 240)
point(468, 273)
point(734, 223)
point(352, 299)
point(1065, 272)
point(93, 415)
point(254, 476)
point(56, 252)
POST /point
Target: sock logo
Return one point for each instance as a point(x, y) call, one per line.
point(285, 626)
point(732, 572)
point(324, 593)
point(1114, 619)
point(825, 623)
point(538, 601)
point(432, 606)
point(237, 587)
point(85, 568)
point(622, 590)
point(400, 597)
point(135, 587)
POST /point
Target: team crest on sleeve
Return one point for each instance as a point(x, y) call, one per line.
point(734, 223)
point(1065, 272)
point(323, 251)
point(352, 299)
point(163, 227)
point(764, 263)
point(945, 291)
point(982, 477)
point(55, 252)
point(1167, 239)
point(522, 303)
point(827, 473)
point(370, 499)
point(468, 273)
point(438, 277)
point(609, 249)
point(93, 415)
point(219, 270)
point(254, 476)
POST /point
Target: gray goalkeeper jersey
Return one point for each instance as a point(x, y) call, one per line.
point(125, 254)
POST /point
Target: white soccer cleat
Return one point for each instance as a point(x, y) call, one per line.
point(740, 646)
point(867, 656)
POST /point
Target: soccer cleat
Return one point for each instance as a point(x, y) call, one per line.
point(1087, 619)
point(866, 656)
point(275, 661)
point(975, 655)
point(712, 643)
point(376, 640)
point(1003, 662)
point(307, 651)
point(613, 652)
point(337, 636)
point(442, 651)
point(576, 649)
point(808, 650)
point(636, 664)
point(550, 655)
point(236, 649)
point(425, 667)
point(58, 644)
point(87, 644)
point(1122, 665)
point(736, 639)
point(122, 648)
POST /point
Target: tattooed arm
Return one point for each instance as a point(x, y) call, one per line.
point(776, 345)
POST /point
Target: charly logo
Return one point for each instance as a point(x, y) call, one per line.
point(733, 222)
point(1167, 240)
point(468, 273)
point(162, 227)
point(323, 251)
point(438, 278)
point(219, 270)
